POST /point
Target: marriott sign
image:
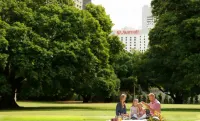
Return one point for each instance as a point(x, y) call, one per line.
point(127, 32)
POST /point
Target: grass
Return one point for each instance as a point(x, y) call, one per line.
point(34, 111)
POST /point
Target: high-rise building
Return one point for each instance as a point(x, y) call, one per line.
point(147, 18)
point(85, 2)
point(137, 39)
point(80, 4)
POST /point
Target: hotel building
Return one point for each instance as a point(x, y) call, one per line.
point(133, 39)
point(137, 39)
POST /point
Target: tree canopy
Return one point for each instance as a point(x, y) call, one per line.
point(51, 48)
point(173, 57)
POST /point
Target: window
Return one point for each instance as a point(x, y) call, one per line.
point(121, 38)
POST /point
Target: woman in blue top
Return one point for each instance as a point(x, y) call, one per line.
point(121, 106)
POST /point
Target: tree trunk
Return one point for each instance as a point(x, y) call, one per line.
point(86, 99)
point(8, 102)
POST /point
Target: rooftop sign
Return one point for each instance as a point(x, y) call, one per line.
point(127, 32)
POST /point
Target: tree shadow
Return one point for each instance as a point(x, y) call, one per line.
point(59, 108)
point(49, 108)
point(182, 109)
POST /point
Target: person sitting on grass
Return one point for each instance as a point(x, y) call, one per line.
point(121, 107)
point(142, 112)
point(134, 110)
point(154, 105)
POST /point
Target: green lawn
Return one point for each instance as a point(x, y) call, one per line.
point(89, 112)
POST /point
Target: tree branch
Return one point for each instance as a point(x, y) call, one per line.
point(159, 87)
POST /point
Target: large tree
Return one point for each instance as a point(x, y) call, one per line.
point(97, 78)
point(53, 47)
point(173, 57)
point(127, 69)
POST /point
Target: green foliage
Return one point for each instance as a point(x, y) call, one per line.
point(126, 67)
point(160, 97)
point(99, 13)
point(115, 46)
point(171, 101)
point(173, 57)
point(51, 49)
point(166, 99)
point(191, 100)
point(196, 99)
point(139, 97)
point(144, 98)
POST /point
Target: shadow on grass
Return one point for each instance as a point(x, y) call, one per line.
point(59, 108)
point(182, 109)
point(46, 108)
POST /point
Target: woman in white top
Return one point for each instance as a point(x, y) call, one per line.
point(134, 112)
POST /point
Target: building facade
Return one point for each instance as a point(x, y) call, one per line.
point(148, 21)
point(80, 4)
point(85, 2)
point(137, 39)
point(133, 39)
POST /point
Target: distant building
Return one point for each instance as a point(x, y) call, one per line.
point(80, 4)
point(137, 39)
point(147, 18)
point(85, 2)
point(133, 39)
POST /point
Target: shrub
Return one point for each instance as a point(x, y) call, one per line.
point(196, 99)
point(166, 100)
point(160, 97)
point(139, 97)
point(171, 101)
point(191, 100)
point(144, 98)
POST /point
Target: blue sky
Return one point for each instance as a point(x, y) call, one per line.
point(124, 12)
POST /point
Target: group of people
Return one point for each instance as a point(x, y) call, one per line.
point(138, 110)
